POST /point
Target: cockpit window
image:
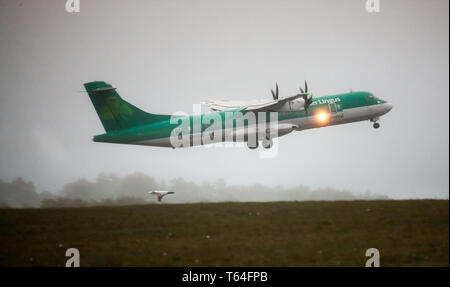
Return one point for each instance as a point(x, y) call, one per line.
point(370, 97)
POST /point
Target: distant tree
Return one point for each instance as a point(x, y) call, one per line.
point(18, 193)
point(4, 205)
point(111, 190)
point(46, 195)
point(107, 186)
point(80, 189)
point(136, 185)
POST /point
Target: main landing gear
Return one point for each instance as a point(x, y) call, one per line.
point(267, 143)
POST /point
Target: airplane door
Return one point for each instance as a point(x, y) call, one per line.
point(336, 110)
point(332, 108)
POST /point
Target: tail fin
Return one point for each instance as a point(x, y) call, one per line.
point(114, 112)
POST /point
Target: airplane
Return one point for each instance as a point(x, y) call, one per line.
point(126, 124)
point(160, 193)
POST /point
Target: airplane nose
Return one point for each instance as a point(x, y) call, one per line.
point(388, 107)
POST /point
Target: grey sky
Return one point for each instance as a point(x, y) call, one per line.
point(164, 56)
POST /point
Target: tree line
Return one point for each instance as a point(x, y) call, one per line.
point(110, 190)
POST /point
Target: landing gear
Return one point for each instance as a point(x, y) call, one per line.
point(376, 125)
point(267, 143)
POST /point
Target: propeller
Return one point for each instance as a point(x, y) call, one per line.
point(275, 94)
point(306, 88)
point(307, 97)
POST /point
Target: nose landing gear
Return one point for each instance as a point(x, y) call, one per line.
point(376, 124)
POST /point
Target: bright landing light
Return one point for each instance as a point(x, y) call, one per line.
point(322, 117)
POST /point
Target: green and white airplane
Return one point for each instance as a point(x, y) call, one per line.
point(126, 124)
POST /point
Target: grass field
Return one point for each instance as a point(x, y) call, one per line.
point(407, 233)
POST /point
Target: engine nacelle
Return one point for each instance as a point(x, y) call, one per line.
point(296, 105)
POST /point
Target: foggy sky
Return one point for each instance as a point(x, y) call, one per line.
point(164, 56)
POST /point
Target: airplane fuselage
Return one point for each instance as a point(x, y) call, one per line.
point(324, 111)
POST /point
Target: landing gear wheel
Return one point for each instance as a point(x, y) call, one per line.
point(252, 145)
point(267, 143)
point(376, 125)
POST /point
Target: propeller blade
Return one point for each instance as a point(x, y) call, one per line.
point(301, 90)
point(276, 84)
point(307, 97)
point(275, 94)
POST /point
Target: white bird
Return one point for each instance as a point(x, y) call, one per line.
point(160, 193)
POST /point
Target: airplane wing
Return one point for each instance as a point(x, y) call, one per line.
point(226, 105)
point(256, 106)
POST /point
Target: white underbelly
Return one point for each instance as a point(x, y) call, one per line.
point(309, 122)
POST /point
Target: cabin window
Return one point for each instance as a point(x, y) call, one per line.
point(370, 97)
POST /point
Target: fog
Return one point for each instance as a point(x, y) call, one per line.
point(165, 56)
point(110, 189)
